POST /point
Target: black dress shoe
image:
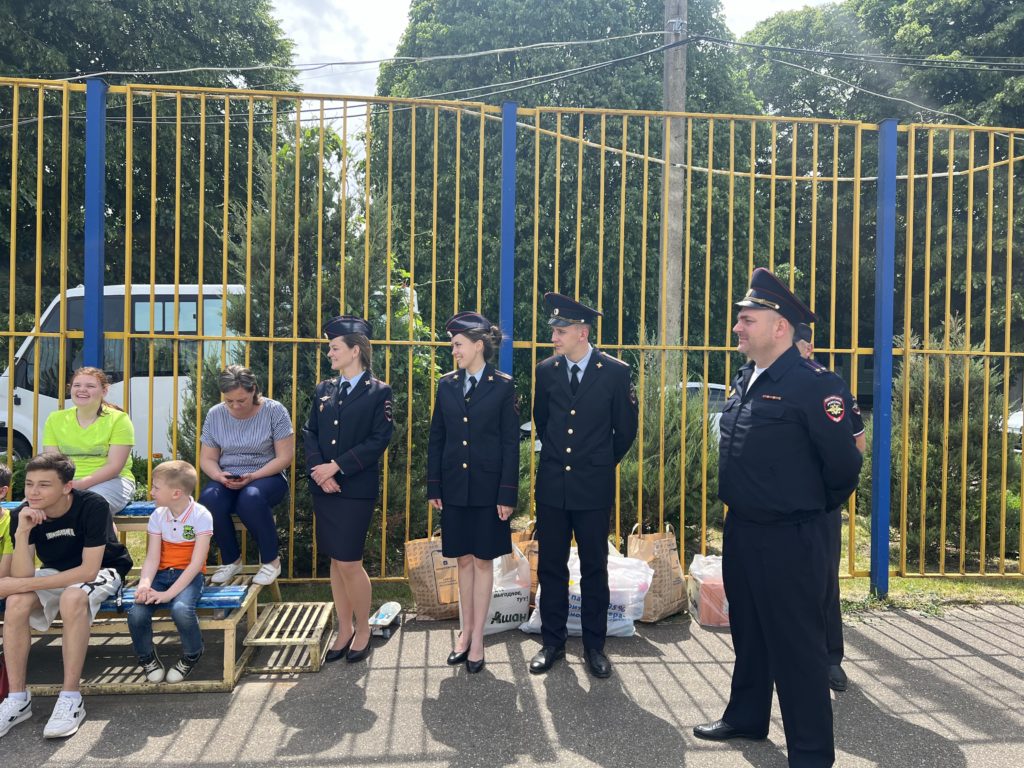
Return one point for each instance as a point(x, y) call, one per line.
point(457, 657)
point(546, 658)
point(837, 679)
point(335, 655)
point(474, 666)
point(722, 731)
point(354, 655)
point(598, 663)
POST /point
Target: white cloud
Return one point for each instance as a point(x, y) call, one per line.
point(355, 30)
point(742, 15)
point(342, 30)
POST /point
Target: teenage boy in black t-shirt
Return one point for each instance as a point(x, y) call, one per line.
point(72, 534)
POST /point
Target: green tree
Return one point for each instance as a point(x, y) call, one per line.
point(438, 27)
point(940, 33)
point(962, 490)
point(78, 37)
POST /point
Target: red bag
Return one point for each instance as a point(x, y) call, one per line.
point(5, 684)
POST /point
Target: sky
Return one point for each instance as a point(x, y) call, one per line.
point(357, 30)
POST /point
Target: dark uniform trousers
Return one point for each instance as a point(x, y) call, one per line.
point(555, 527)
point(584, 435)
point(833, 530)
point(786, 456)
point(771, 574)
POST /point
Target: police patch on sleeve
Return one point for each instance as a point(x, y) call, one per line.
point(632, 394)
point(387, 410)
point(835, 409)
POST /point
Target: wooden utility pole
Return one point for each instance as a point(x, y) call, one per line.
point(673, 188)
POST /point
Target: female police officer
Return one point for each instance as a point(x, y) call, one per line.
point(473, 471)
point(348, 430)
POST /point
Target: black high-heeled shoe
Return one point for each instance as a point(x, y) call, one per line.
point(474, 666)
point(457, 657)
point(354, 655)
point(336, 655)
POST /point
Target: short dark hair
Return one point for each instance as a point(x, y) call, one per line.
point(5, 475)
point(52, 460)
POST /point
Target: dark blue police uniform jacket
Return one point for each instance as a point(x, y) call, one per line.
point(583, 436)
point(355, 433)
point(786, 450)
point(473, 451)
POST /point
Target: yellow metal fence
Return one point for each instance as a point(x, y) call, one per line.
point(238, 221)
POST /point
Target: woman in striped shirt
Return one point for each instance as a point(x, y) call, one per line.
point(247, 444)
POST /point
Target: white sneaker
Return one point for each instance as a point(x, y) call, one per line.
point(68, 714)
point(13, 712)
point(181, 669)
point(266, 575)
point(154, 670)
point(226, 573)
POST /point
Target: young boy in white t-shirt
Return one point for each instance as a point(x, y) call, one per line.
point(173, 573)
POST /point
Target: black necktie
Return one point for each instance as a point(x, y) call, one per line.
point(345, 385)
point(472, 386)
point(574, 382)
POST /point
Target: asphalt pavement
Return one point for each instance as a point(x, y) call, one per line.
point(925, 691)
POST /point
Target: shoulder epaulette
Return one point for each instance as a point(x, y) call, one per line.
point(502, 375)
point(815, 366)
point(450, 373)
point(606, 356)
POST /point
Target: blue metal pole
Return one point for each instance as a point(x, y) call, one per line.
point(508, 230)
point(885, 291)
point(95, 187)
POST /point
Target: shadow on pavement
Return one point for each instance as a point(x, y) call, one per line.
point(322, 712)
point(604, 725)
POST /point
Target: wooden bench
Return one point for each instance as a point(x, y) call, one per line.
point(221, 609)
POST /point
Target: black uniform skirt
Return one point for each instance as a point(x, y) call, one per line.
point(476, 531)
point(341, 525)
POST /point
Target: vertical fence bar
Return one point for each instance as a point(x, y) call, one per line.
point(95, 180)
point(508, 230)
point(885, 285)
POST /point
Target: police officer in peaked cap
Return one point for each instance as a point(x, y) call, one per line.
point(473, 472)
point(837, 680)
point(786, 457)
point(585, 412)
point(347, 432)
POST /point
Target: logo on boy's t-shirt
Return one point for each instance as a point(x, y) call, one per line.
point(189, 533)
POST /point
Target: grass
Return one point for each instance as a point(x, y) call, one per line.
point(930, 595)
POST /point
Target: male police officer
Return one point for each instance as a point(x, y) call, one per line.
point(837, 680)
point(786, 457)
point(585, 411)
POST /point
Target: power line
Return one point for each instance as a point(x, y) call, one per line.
point(393, 59)
point(968, 63)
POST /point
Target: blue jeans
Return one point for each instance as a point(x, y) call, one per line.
point(254, 506)
point(183, 611)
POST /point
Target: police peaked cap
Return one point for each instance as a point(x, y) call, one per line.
point(803, 332)
point(467, 321)
point(565, 311)
point(343, 325)
point(768, 292)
